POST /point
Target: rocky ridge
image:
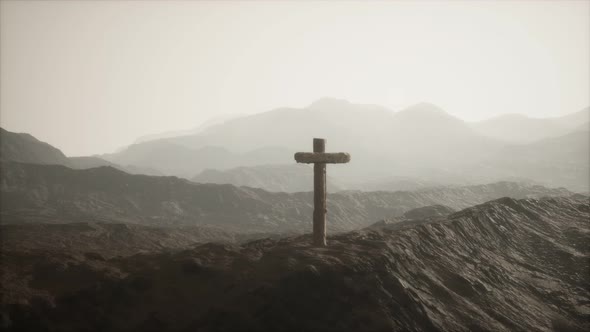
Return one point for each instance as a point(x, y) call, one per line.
point(506, 265)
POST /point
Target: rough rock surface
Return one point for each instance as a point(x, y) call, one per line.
point(506, 265)
point(110, 239)
point(428, 212)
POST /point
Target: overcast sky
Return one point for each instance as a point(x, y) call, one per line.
point(92, 76)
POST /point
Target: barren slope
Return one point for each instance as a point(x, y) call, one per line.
point(506, 265)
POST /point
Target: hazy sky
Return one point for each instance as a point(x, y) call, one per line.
point(92, 76)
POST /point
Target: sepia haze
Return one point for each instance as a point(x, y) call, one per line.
point(74, 71)
point(419, 146)
point(150, 176)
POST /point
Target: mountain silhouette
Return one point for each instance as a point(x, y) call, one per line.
point(22, 147)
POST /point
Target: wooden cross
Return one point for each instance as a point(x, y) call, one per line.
point(320, 158)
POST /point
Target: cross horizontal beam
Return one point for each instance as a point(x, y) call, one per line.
point(322, 157)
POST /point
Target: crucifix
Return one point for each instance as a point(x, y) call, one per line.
point(319, 158)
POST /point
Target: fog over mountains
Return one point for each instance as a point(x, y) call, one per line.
point(422, 143)
point(421, 146)
point(519, 128)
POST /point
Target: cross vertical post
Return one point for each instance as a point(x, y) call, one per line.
point(319, 196)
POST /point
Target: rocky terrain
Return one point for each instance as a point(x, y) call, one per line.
point(107, 239)
point(57, 194)
point(506, 265)
point(125, 239)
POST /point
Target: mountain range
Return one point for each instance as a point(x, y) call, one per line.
point(421, 146)
point(34, 193)
point(422, 142)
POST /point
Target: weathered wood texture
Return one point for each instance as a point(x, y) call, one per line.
point(319, 195)
point(322, 157)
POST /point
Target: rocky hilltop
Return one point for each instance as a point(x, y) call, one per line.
point(109, 240)
point(57, 194)
point(506, 265)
